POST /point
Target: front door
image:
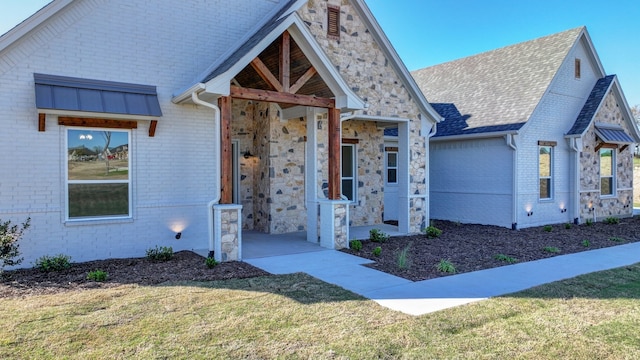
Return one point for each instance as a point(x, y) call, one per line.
point(390, 182)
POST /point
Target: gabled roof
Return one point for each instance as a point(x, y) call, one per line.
point(498, 90)
point(607, 132)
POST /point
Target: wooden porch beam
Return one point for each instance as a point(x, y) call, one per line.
point(285, 61)
point(226, 195)
point(334, 155)
point(303, 80)
point(266, 74)
point(281, 98)
point(91, 122)
point(605, 146)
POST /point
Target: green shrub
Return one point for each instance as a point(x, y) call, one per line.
point(611, 220)
point(58, 262)
point(211, 262)
point(548, 228)
point(505, 258)
point(162, 253)
point(377, 235)
point(9, 247)
point(404, 262)
point(616, 239)
point(97, 275)
point(446, 266)
point(589, 222)
point(586, 243)
point(567, 226)
point(377, 251)
point(355, 245)
point(432, 232)
point(551, 249)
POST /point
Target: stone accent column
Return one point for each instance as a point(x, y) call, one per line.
point(334, 224)
point(227, 232)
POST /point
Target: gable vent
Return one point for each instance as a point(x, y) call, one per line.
point(333, 22)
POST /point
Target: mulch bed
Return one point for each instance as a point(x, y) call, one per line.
point(184, 266)
point(474, 247)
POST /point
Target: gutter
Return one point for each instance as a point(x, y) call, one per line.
point(216, 156)
point(511, 142)
point(573, 144)
point(476, 136)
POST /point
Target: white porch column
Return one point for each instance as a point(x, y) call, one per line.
point(226, 230)
point(311, 175)
point(334, 224)
point(404, 225)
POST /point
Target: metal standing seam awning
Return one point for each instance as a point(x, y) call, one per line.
point(613, 135)
point(90, 98)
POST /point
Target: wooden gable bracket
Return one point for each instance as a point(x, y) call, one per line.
point(623, 148)
point(604, 145)
point(41, 121)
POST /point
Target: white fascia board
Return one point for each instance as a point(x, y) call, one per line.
point(88, 114)
point(474, 136)
point(345, 98)
point(185, 96)
point(428, 112)
point(31, 23)
point(387, 119)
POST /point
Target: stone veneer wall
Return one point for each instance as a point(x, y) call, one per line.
point(365, 68)
point(622, 204)
point(262, 191)
point(370, 179)
point(243, 130)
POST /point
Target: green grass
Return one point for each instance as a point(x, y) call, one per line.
point(297, 316)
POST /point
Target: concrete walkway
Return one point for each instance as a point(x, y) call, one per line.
point(421, 297)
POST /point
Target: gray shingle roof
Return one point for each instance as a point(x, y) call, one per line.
point(79, 94)
point(591, 105)
point(234, 57)
point(496, 90)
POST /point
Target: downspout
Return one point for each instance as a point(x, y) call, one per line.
point(217, 158)
point(576, 180)
point(511, 142)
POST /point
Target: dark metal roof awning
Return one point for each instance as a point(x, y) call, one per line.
point(96, 96)
point(613, 135)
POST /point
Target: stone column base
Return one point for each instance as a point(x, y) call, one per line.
point(227, 232)
point(334, 224)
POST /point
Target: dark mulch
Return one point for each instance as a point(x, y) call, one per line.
point(474, 247)
point(185, 266)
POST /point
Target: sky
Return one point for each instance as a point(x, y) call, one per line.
point(430, 32)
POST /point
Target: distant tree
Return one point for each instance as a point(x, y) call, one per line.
point(105, 151)
point(635, 111)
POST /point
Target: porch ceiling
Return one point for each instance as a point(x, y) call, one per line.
point(248, 77)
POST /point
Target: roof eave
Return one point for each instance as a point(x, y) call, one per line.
point(484, 135)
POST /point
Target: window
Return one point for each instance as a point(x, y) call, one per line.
point(392, 167)
point(333, 22)
point(607, 171)
point(577, 68)
point(545, 171)
point(98, 180)
point(349, 189)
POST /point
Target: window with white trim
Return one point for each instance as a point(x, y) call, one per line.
point(392, 167)
point(545, 171)
point(607, 171)
point(98, 173)
point(348, 173)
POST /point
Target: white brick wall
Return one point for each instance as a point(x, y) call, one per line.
point(160, 42)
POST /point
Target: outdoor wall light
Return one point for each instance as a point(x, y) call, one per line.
point(178, 236)
point(591, 209)
point(563, 210)
point(530, 213)
point(247, 154)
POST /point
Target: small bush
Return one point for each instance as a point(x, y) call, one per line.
point(162, 253)
point(377, 251)
point(567, 226)
point(551, 249)
point(97, 275)
point(611, 220)
point(53, 263)
point(616, 239)
point(9, 247)
point(548, 228)
point(377, 235)
point(446, 266)
point(211, 262)
point(589, 222)
point(355, 245)
point(432, 232)
point(403, 258)
point(505, 258)
point(586, 243)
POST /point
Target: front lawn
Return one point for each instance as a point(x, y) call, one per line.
point(297, 316)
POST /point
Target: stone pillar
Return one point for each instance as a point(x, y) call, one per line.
point(227, 232)
point(334, 224)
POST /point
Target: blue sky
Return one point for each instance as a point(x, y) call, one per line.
point(429, 32)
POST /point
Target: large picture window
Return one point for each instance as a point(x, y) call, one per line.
point(349, 189)
point(98, 173)
point(607, 172)
point(545, 171)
